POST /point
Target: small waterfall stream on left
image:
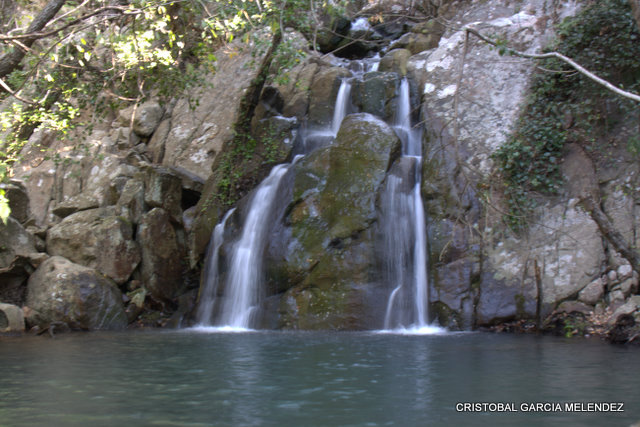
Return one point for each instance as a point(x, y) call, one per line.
point(243, 291)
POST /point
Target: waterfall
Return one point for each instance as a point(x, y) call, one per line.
point(242, 287)
point(210, 286)
point(403, 228)
point(342, 104)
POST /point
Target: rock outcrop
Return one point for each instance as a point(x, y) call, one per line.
point(325, 258)
point(80, 297)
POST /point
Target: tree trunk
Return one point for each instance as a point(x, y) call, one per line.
point(11, 60)
point(610, 233)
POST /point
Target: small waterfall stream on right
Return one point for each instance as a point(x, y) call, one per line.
point(402, 223)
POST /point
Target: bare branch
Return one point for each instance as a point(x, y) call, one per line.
point(14, 94)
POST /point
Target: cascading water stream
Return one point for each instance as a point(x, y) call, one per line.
point(242, 287)
point(403, 227)
point(342, 104)
point(242, 290)
point(210, 287)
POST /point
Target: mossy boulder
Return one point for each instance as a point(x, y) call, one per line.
point(375, 93)
point(327, 264)
point(395, 61)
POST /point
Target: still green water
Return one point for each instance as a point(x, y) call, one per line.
point(187, 378)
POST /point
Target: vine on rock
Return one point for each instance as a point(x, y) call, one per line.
point(564, 106)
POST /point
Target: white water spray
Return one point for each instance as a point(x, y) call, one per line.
point(210, 287)
point(403, 227)
point(243, 285)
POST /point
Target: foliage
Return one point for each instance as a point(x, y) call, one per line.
point(102, 60)
point(564, 106)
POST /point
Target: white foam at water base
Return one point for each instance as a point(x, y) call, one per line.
point(421, 330)
point(219, 329)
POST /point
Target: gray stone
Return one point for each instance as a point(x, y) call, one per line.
point(11, 318)
point(574, 307)
point(324, 91)
point(146, 120)
point(163, 189)
point(80, 202)
point(15, 242)
point(395, 61)
point(157, 141)
point(198, 132)
point(61, 291)
point(95, 239)
point(629, 307)
point(628, 286)
point(624, 271)
point(16, 192)
point(131, 204)
point(162, 255)
point(323, 256)
point(592, 293)
point(376, 93)
point(416, 42)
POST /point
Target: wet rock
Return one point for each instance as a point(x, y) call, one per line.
point(624, 331)
point(395, 61)
point(11, 318)
point(96, 239)
point(327, 260)
point(162, 255)
point(324, 91)
point(454, 294)
point(375, 93)
point(61, 291)
point(592, 293)
point(502, 299)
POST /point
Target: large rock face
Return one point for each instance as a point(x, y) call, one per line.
point(198, 132)
point(326, 255)
point(162, 255)
point(96, 239)
point(61, 291)
point(483, 272)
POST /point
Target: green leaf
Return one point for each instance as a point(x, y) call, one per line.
point(5, 210)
